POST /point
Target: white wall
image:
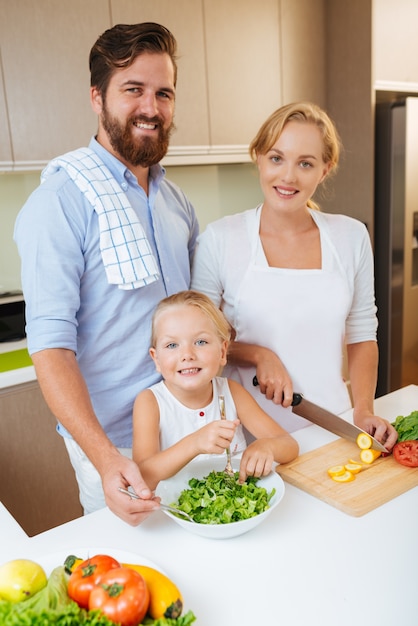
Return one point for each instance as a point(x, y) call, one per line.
point(14, 189)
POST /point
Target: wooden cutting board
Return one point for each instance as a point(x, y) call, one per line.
point(380, 482)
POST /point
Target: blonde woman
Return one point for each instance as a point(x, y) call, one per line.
point(296, 284)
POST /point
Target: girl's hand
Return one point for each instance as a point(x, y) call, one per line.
point(257, 460)
point(216, 437)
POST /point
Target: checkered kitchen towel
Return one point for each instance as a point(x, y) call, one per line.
point(126, 253)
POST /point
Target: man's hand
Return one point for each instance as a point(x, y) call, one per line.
point(123, 472)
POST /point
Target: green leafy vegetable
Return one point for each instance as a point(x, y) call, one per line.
point(407, 426)
point(72, 615)
point(216, 499)
point(184, 620)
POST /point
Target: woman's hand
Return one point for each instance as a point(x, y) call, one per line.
point(377, 427)
point(274, 379)
point(272, 376)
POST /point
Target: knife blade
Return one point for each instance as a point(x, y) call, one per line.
point(331, 422)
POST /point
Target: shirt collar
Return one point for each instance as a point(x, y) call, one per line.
point(119, 169)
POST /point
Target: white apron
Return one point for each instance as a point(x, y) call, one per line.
point(300, 315)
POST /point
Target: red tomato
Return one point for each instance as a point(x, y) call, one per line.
point(86, 575)
point(122, 595)
point(406, 453)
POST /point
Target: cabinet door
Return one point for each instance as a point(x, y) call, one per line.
point(184, 19)
point(303, 67)
point(243, 65)
point(38, 484)
point(5, 143)
point(45, 47)
point(395, 49)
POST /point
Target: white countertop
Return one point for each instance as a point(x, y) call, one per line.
point(11, 346)
point(308, 563)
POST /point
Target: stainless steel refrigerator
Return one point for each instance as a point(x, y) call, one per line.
point(396, 242)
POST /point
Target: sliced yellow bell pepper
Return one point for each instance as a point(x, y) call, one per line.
point(336, 470)
point(364, 441)
point(354, 468)
point(344, 478)
point(368, 456)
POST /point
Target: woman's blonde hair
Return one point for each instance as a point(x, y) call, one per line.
point(307, 112)
point(202, 302)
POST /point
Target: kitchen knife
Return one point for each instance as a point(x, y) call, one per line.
point(326, 419)
point(330, 421)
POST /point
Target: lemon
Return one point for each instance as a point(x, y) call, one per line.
point(20, 579)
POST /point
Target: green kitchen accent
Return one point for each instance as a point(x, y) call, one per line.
point(14, 360)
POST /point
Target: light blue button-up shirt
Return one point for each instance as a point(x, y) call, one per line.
point(69, 303)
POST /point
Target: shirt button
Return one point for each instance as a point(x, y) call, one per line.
point(124, 186)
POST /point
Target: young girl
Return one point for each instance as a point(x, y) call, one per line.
point(178, 419)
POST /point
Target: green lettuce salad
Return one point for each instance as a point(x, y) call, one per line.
point(407, 426)
point(221, 499)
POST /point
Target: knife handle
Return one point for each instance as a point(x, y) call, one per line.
point(297, 397)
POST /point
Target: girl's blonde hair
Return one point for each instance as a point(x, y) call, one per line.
point(307, 112)
point(202, 302)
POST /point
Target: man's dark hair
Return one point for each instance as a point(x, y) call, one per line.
point(120, 45)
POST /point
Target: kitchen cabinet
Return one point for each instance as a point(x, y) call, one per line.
point(395, 43)
point(37, 484)
point(303, 69)
point(243, 66)
point(44, 46)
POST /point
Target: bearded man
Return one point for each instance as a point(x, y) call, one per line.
point(102, 240)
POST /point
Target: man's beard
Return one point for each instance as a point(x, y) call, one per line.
point(145, 151)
